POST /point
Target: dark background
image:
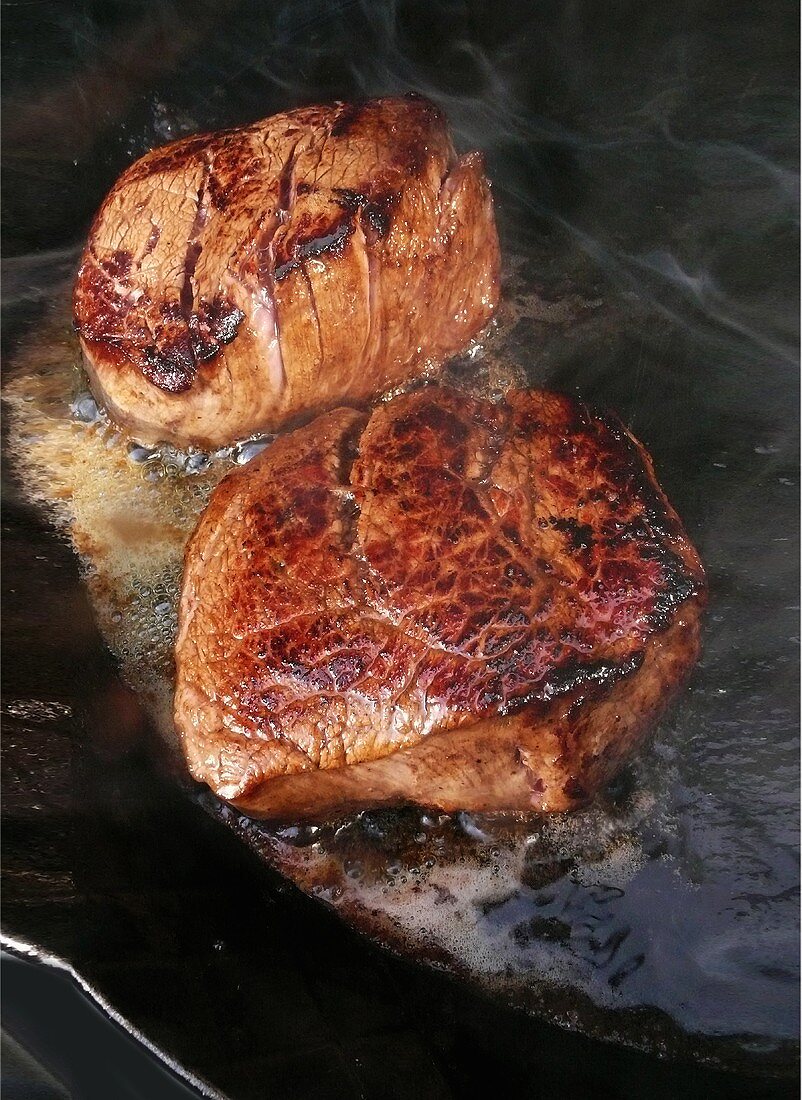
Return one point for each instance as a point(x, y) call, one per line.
point(647, 149)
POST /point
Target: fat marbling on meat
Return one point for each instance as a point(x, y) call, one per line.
point(241, 281)
point(459, 603)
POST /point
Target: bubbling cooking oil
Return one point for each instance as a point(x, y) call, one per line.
point(495, 897)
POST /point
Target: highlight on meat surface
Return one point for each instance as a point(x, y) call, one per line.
point(463, 604)
point(241, 281)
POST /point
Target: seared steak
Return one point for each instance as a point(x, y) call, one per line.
point(452, 602)
point(239, 281)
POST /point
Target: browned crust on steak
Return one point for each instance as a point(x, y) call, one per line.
point(244, 280)
point(465, 604)
point(542, 758)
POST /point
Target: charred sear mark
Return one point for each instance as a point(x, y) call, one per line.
point(218, 194)
point(213, 325)
point(375, 211)
point(654, 529)
point(118, 265)
point(171, 367)
point(175, 154)
point(678, 586)
point(331, 242)
point(375, 220)
point(153, 239)
point(584, 678)
point(575, 790)
point(102, 296)
point(348, 117)
point(580, 535)
point(349, 199)
point(576, 675)
point(426, 105)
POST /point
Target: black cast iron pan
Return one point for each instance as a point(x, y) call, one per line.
point(644, 160)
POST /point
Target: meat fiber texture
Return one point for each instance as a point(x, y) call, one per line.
point(238, 282)
point(452, 602)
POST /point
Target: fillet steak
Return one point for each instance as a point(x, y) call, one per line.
point(468, 605)
point(237, 282)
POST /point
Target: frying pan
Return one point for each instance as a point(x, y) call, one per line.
point(643, 159)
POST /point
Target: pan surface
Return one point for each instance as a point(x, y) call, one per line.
point(644, 178)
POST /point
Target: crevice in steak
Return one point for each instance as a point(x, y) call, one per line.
point(368, 582)
point(447, 179)
point(266, 291)
point(194, 246)
point(498, 435)
point(286, 184)
point(264, 263)
point(150, 243)
point(313, 303)
point(374, 333)
point(350, 509)
point(533, 780)
point(319, 143)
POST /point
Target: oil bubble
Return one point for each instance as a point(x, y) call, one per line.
point(138, 454)
point(197, 463)
point(85, 408)
point(244, 452)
